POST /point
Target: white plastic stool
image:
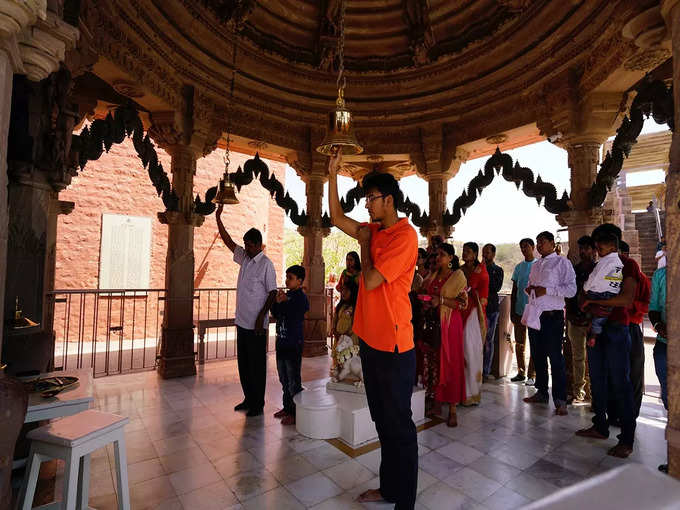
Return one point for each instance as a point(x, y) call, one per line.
point(73, 439)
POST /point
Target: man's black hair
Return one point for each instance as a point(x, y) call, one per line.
point(298, 271)
point(492, 246)
point(548, 236)
point(253, 235)
point(586, 241)
point(607, 227)
point(527, 240)
point(606, 236)
point(385, 184)
point(624, 247)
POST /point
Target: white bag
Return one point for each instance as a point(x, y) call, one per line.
point(532, 314)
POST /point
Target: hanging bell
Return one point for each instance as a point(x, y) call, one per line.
point(226, 194)
point(340, 134)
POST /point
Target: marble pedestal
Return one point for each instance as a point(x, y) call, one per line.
point(323, 413)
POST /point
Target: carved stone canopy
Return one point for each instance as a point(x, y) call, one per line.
point(462, 67)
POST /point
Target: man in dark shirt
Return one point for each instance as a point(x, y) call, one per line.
point(289, 310)
point(495, 284)
point(577, 325)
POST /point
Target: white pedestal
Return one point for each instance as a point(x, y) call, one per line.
point(323, 413)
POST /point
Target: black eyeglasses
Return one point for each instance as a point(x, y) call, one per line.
point(371, 198)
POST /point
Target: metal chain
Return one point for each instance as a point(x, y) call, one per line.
point(341, 81)
point(230, 103)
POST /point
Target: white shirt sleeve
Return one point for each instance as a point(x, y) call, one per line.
point(239, 255)
point(270, 277)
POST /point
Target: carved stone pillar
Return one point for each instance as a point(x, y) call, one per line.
point(40, 165)
point(584, 157)
point(175, 133)
point(671, 13)
point(437, 188)
point(15, 16)
point(316, 327)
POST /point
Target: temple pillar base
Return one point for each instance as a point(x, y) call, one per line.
point(580, 223)
point(177, 358)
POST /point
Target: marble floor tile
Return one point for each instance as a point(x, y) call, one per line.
point(553, 473)
point(514, 456)
point(530, 487)
point(495, 469)
point(441, 495)
point(183, 459)
point(348, 474)
point(372, 460)
point(438, 465)
point(249, 484)
point(459, 452)
point(291, 468)
point(152, 492)
point(324, 456)
point(237, 463)
point(194, 478)
point(505, 499)
point(279, 498)
point(314, 489)
point(145, 470)
point(432, 439)
point(472, 484)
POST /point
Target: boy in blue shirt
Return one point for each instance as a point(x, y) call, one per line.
point(289, 310)
point(518, 301)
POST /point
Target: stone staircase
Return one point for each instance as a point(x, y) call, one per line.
point(645, 224)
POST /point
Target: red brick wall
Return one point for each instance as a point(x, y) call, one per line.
point(118, 184)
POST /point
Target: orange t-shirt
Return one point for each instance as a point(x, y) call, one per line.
point(382, 316)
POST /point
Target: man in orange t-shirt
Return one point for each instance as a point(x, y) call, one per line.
point(382, 321)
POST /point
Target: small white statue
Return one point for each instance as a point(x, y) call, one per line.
point(347, 361)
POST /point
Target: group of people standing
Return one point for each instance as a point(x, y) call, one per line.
point(455, 312)
point(395, 297)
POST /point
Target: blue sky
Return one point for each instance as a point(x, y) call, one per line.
point(502, 213)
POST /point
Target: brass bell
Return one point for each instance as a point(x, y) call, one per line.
point(340, 134)
point(226, 194)
point(20, 321)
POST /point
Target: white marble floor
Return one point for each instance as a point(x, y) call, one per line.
point(188, 449)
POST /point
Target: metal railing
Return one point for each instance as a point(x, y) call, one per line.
point(117, 331)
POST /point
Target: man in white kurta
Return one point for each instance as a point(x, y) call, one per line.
point(255, 294)
point(552, 279)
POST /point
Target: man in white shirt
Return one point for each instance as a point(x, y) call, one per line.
point(552, 279)
point(255, 294)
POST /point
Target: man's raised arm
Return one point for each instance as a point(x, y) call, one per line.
point(338, 217)
point(223, 231)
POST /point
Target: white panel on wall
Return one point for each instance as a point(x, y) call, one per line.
point(125, 252)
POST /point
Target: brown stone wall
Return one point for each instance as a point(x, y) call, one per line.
point(118, 184)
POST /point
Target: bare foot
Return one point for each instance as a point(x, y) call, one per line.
point(370, 496)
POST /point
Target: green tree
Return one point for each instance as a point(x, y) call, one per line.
point(335, 249)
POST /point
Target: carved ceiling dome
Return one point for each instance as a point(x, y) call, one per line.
point(408, 63)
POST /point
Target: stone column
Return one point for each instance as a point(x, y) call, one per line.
point(670, 10)
point(316, 326)
point(174, 133)
point(584, 157)
point(15, 16)
point(437, 164)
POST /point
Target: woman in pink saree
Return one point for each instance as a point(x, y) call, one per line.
point(442, 337)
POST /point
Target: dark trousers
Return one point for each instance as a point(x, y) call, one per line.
point(491, 323)
point(288, 364)
point(637, 373)
point(660, 364)
point(388, 378)
point(546, 344)
point(609, 363)
point(251, 353)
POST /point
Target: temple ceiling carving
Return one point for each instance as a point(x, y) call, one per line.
point(474, 68)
